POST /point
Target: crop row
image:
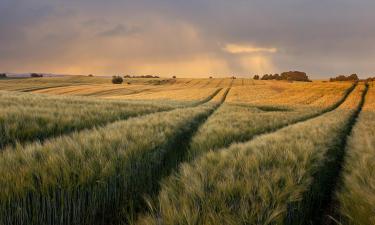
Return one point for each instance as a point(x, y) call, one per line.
point(241, 122)
point(277, 178)
point(93, 176)
point(27, 117)
point(96, 175)
point(356, 196)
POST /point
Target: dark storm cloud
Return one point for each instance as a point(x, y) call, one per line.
point(320, 37)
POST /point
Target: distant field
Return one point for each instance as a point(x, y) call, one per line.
point(80, 150)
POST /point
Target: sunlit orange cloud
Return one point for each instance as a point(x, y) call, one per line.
point(165, 48)
point(236, 48)
point(258, 64)
point(197, 66)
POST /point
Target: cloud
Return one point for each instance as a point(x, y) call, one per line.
point(119, 30)
point(187, 37)
point(238, 49)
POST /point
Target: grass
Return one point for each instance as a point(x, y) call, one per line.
point(264, 181)
point(241, 122)
point(356, 197)
point(93, 177)
point(27, 117)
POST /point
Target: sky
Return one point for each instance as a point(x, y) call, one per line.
point(188, 38)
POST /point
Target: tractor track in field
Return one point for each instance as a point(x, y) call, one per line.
point(195, 85)
point(328, 211)
point(317, 204)
point(336, 164)
point(220, 82)
point(42, 140)
point(206, 84)
point(303, 119)
point(208, 98)
point(106, 92)
point(46, 88)
point(175, 155)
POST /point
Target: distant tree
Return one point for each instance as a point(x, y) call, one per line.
point(265, 77)
point(174, 77)
point(127, 76)
point(295, 76)
point(36, 75)
point(210, 77)
point(90, 75)
point(352, 77)
point(117, 80)
point(233, 77)
point(3, 75)
point(256, 77)
point(276, 77)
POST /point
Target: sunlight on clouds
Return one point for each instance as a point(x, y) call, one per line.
point(159, 46)
point(237, 49)
point(197, 66)
point(258, 64)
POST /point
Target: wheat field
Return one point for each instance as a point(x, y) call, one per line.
point(79, 150)
point(357, 195)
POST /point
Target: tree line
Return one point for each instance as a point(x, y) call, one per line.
point(289, 76)
point(352, 77)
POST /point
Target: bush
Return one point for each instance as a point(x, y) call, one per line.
point(290, 76)
point(276, 76)
point(256, 77)
point(266, 77)
point(3, 75)
point(295, 76)
point(174, 77)
point(352, 77)
point(141, 76)
point(117, 80)
point(90, 75)
point(36, 75)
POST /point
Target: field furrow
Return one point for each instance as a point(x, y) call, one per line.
point(94, 174)
point(264, 181)
point(29, 84)
point(29, 117)
point(77, 150)
point(241, 122)
point(355, 196)
point(110, 169)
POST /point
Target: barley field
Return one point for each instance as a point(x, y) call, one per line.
point(357, 194)
point(79, 150)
